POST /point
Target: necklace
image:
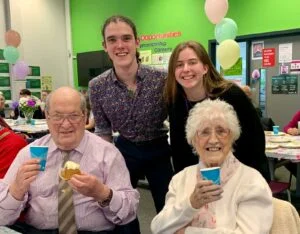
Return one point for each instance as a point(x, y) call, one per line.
point(131, 92)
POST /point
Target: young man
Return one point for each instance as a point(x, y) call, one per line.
point(128, 99)
point(102, 193)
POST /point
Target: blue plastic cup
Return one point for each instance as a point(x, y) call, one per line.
point(40, 152)
point(275, 130)
point(211, 173)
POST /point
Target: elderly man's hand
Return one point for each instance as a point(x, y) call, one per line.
point(26, 173)
point(205, 192)
point(90, 186)
point(293, 131)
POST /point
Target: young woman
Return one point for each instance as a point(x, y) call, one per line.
point(191, 79)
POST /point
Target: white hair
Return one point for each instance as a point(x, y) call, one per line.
point(212, 110)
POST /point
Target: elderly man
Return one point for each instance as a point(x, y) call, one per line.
point(102, 193)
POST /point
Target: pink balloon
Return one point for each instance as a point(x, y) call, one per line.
point(255, 74)
point(21, 70)
point(216, 10)
point(12, 38)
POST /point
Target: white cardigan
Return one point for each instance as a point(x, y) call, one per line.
point(245, 206)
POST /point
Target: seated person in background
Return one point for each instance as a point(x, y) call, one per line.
point(102, 193)
point(292, 127)
point(2, 105)
point(10, 145)
point(44, 95)
point(90, 121)
point(243, 201)
point(248, 92)
point(38, 114)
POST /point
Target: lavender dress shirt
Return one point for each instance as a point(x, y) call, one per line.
point(96, 157)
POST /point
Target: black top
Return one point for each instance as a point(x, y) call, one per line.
point(2, 113)
point(249, 148)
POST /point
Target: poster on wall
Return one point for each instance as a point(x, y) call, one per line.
point(268, 59)
point(46, 83)
point(295, 67)
point(145, 56)
point(285, 53)
point(285, 84)
point(257, 49)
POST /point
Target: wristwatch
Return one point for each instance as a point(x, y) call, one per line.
point(106, 201)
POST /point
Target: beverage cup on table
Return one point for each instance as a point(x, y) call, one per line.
point(40, 152)
point(275, 129)
point(211, 173)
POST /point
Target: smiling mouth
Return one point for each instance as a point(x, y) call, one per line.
point(213, 149)
point(121, 54)
point(187, 77)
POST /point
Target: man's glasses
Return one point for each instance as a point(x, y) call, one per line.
point(220, 132)
point(59, 118)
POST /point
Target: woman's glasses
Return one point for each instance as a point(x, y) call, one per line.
point(220, 132)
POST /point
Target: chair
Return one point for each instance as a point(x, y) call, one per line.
point(278, 187)
point(285, 218)
point(267, 124)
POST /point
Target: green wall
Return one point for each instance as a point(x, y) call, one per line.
point(187, 16)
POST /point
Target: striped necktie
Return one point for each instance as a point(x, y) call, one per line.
point(66, 212)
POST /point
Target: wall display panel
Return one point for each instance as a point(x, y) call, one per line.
point(237, 73)
point(4, 81)
point(4, 67)
point(91, 64)
point(33, 83)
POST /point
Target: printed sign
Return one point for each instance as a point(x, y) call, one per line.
point(268, 59)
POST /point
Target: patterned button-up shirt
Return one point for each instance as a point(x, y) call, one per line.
point(136, 116)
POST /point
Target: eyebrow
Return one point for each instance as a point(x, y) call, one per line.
point(192, 59)
point(124, 35)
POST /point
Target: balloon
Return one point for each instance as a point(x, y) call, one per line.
point(216, 10)
point(255, 74)
point(11, 54)
point(20, 70)
point(226, 29)
point(12, 38)
point(228, 53)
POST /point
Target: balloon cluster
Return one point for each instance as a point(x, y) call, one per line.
point(228, 51)
point(11, 54)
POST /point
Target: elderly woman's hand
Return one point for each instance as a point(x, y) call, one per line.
point(205, 192)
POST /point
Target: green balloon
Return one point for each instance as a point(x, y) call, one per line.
point(226, 29)
point(11, 54)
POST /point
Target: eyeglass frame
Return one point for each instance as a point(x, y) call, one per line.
point(64, 117)
point(218, 135)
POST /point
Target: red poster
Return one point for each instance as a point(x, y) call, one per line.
point(268, 57)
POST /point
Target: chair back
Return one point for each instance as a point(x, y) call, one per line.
point(267, 124)
point(286, 218)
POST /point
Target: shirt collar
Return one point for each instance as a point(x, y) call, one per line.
point(139, 74)
point(80, 148)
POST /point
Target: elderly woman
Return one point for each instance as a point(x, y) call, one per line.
point(242, 203)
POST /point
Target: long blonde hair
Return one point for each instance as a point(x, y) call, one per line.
point(214, 84)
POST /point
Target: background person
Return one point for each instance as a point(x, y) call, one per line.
point(292, 127)
point(242, 203)
point(38, 114)
point(2, 105)
point(191, 79)
point(128, 99)
point(10, 145)
point(104, 176)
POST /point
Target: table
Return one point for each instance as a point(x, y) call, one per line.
point(39, 127)
point(292, 154)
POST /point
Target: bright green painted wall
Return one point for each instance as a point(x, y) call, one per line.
point(187, 16)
